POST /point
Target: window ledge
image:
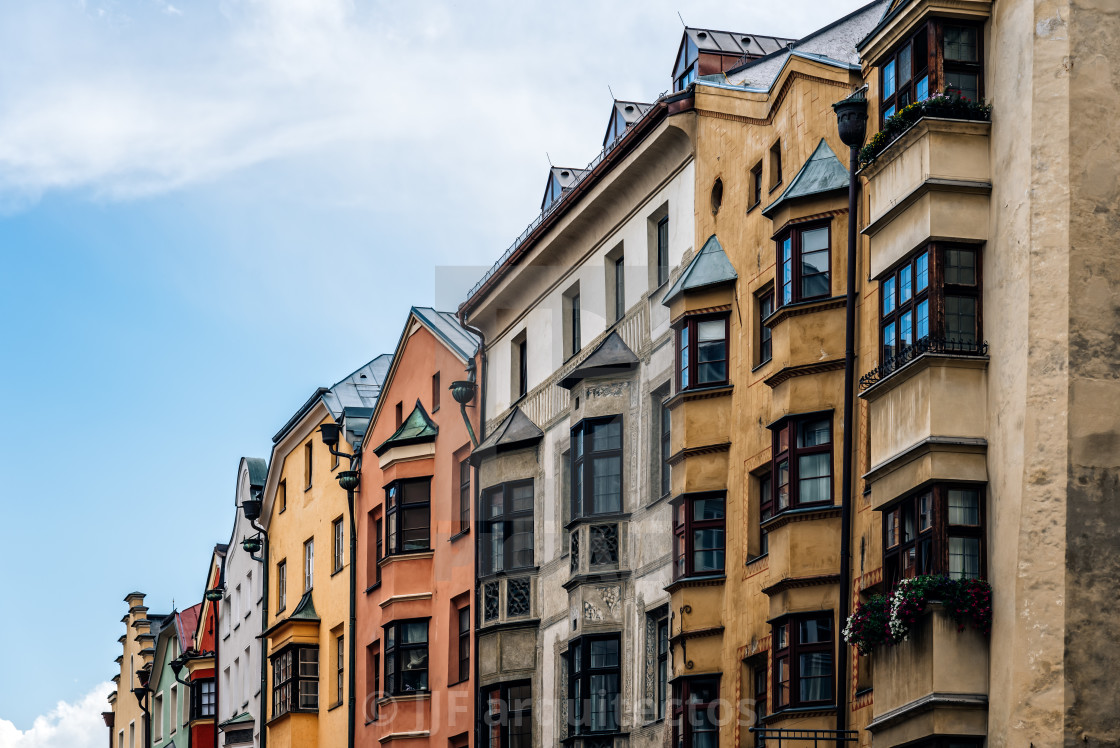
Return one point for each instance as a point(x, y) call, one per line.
point(334, 706)
point(797, 308)
point(587, 577)
point(338, 570)
point(403, 697)
point(373, 587)
point(598, 519)
point(802, 514)
point(756, 559)
point(459, 535)
point(507, 573)
point(412, 556)
point(919, 364)
point(698, 393)
point(696, 581)
point(800, 711)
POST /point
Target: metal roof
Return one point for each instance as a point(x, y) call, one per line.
point(360, 389)
point(446, 327)
point(257, 469)
point(514, 432)
point(417, 428)
point(822, 173)
point(710, 267)
point(611, 357)
point(735, 43)
point(305, 609)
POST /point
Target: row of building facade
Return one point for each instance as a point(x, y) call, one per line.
point(614, 500)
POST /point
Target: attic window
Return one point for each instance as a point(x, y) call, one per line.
point(684, 72)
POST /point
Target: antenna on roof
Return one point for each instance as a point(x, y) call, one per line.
point(613, 97)
point(548, 157)
point(682, 19)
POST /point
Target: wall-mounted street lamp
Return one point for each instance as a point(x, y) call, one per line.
point(215, 594)
point(463, 390)
point(348, 480)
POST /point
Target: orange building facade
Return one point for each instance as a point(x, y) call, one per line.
point(416, 554)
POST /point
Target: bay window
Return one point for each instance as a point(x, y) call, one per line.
point(804, 264)
point(913, 70)
point(203, 698)
point(406, 657)
point(596, 463)
point(803, 660)
point(702, 352)
point(699, 532)
point(939, 530)
point(931, 302)
point(295, 680)
point(507, 527)
point(801, 473)
point(408, 507)
point(696, 713)
point(594, 684)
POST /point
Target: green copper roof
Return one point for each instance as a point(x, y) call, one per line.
point(240, 719)
point(708, 268)
point(822, 173)
point(417, 428)
point(305, 610)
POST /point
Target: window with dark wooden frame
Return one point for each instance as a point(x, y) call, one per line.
point(464, 495)
point(661, 691)
point(379, 549)
point(943, 56)
point(931, 301)
point(596, 460)
point(338, 554)
point(408, 505)
point(702, 351)
point(761, 679)
point(295, 680)
point(506, 528)
point(939, 530)
point(700, 534)
point(436, 392)
point(507, 715)
point(666, 449)
point(765, 512)
point(619, 288)
point(522, 367)
point(803, 672)
point(801, 468)
point(464, 643)
point(775, 165)
point(804, 270)
point(594, 684)
point(281, 585)
point(765, 334)
point(406, 656)
point(696, 717)
point(339, 668)
point(203, 698)
point(755, 185)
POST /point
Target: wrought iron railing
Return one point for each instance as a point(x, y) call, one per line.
point(908, 353)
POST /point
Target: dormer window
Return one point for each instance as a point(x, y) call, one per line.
point(623, 115)
point(688, 59)
point(560, 179)
point(914, 70)
point(708, 52)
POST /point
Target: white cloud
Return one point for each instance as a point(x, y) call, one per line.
point(66, 726)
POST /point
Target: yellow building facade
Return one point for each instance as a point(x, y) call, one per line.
point(125, 718)
point(305, 514)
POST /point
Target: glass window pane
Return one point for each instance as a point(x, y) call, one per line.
point(892, 528)
point(960, 267)
point(521, 498)
point(906, 329)
point(921, 330)
point(904, 289)
point(964, 506)
point(966, 84)
point(888, 112)
point(684, 356)
point(786, 257)
point(813, 433)
point(707, 550)
point(888, 295)
point(888, 341)
point(922, 88)
point(960, 319)
point(606, 484)
point(814, 481)
point(904, 65)
point(708, 330)
point(814, 239)
point(816, 676)
point(815, 630)
point(604, 653)
point(964, 558)
point(783, 484)
point(607, 435)
point(925, 512)
point(707, 509)
point(888, 79)
point(961, 43)
point(921, 272)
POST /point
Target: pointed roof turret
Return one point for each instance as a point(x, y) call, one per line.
point(611, 357)
point(709, 268)
point(416, 429)
point(822, 173)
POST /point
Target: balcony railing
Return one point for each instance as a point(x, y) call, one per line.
point(908, 353)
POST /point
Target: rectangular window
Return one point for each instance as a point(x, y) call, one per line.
point(506, 527)
point(666, 435)
point(174, 708)
point(662, 250)
point(756, 185)
point(408, 505)
point(696, 712)
point(702, 353)
point(399, 415)
point(914, 69)
point(804, 264)
point(338, 557)
point(339, 668)
point(619, 288)
point(765, 335)
point(596, 460)
point(699, 532)
point(574, 326)
point(661, 693)
point(436, 392)
point(406, 657)
point(765, 512)
point(930, 302)
point(295, 680)
point(803, 664)
point(465, 495)
point(464, 643)
point(775, 165)
point(937, 531)
point(374, 676)
point(379, 550)
point(603, 546)
point(203, 698)
point(508, 715)
point(307, 452)
point(760, 689)
point(802, 462)
point(308, 564)
point(522, 368)
point(282, 495)
point(157, 717)
point(594, 684)
point(281, 586)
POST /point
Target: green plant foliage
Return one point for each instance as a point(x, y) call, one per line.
point(938, 105)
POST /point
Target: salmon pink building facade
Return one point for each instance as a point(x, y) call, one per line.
point(416, 574)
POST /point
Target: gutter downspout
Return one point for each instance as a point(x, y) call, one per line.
point(851, 116)
point(478, 510)
point(351, 696)
point(263, 714)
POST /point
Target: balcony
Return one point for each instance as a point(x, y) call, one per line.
point(928, 417)
point(932, 183)
point(934, 683)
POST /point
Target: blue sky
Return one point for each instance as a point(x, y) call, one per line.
point(209, 208)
